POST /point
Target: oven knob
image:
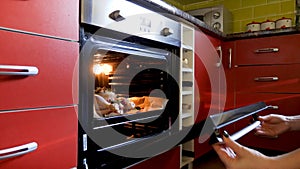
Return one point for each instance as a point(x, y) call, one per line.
point(116, 16)
point(166, 31)
point(216, 15)
point(217, 25)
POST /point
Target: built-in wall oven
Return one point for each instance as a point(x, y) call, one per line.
point(128, 82)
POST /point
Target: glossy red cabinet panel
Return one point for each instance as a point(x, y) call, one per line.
point(54, 130)
point(57, 80)
point(58, 18)
point(228, 49)
point(207, 75)
point(272, 78)
point(286, 46)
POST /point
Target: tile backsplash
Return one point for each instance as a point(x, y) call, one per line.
point(246, 11)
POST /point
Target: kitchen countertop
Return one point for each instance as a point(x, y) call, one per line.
point(181, 16)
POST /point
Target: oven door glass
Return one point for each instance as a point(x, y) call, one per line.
point(129, 89)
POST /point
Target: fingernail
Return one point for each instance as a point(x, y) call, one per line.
point(225, 133)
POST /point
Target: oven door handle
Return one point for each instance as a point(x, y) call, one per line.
point(13, 70)
point(245, 130)
point(18, 150)
point(216, 138)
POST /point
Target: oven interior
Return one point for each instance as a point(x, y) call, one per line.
point(127, 92)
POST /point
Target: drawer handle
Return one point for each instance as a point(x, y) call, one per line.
point(266, 79)
point(266, 50)
point(13, 70)
point(18, 150)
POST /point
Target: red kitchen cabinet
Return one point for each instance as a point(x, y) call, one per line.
point(58, 18)
point(210, 78)
point(228, 49)
point(166, 160)
point(268, 79)
point(268, 50)
point(55, 83)
point(39, 83)
point(268, 72)
point(207, 75)
point(52, 130)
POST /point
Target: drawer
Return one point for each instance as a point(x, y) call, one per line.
point(55, 83)
point(55, 18)
point(285, 104)
point(53, 130)
point(263, 50)
point(276, 78)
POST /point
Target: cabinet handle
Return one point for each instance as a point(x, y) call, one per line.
point(13, 70)
point(18, 150)
point(266, 50)
point(116, 16)
point(219, 48)
point(230, 57)
point(266, 79)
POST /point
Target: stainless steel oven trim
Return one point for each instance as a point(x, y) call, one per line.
point(137, 20)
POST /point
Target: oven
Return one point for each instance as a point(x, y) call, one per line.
point(129, 76)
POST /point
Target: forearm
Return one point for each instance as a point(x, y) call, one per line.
point(294, 122)
point(286, 161)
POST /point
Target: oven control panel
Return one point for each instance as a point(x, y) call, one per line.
point(127, 17)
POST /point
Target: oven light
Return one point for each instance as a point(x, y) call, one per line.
point(102, 68)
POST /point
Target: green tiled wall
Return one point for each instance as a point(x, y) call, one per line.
point(246, 11)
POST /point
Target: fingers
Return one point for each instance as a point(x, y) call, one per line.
point(231, 143)
point(223, 153)
point(265, 118)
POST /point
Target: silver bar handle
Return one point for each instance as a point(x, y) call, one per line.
point(230, 58)
point(245, 130)
point(266, 50)
point(18, 150)
point(13, 70)
point(242, 132)
point(219, 48)
point(266, 79)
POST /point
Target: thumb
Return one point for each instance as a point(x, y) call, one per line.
point(236, 147)
point(265, 118)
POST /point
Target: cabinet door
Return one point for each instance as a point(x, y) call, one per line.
point(55, 18)
point(286, 104)
point(207, 76)
point(54, 84)
point(268, 50)
point(53, 131)
point(228, 49)
point(268, 79)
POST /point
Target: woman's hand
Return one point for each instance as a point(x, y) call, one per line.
point(272, 125)
point(236, 156)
